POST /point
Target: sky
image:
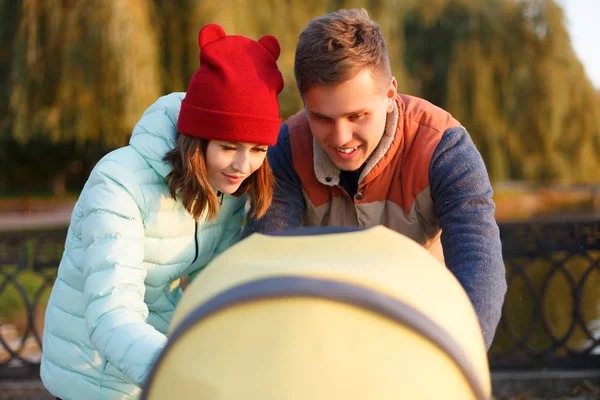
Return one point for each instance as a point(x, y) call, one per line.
point(583, 22)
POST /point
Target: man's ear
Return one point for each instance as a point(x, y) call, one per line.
point(391, 94)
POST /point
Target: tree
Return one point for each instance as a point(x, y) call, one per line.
point(81, 73)
point(507, 71)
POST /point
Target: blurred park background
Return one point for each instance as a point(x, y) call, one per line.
point(76, 75)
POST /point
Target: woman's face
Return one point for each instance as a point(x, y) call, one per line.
point(228, 164)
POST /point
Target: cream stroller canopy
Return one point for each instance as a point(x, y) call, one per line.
point(366, 314)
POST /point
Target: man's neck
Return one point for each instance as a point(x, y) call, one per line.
point(349, 180)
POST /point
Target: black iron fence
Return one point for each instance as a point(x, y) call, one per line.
point(28, 267)
point(551, 316)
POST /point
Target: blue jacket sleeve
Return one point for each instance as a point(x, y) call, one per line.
point(462, 196)
point(287, 208)
point(114, 272)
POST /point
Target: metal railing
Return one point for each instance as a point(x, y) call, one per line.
point(28, 266)
point(551, 316)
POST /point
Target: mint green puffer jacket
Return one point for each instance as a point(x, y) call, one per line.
point(127, 246)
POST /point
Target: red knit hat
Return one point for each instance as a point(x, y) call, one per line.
point(233, 95)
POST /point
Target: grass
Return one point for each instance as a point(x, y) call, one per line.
point(521, 202)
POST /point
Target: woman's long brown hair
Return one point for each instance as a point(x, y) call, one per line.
point(189, 180)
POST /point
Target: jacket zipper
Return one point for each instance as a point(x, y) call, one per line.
point(220, 195)
point(195, 240)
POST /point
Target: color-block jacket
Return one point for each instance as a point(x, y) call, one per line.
point(425, 180)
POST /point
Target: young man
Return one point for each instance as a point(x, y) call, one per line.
point(360, 154)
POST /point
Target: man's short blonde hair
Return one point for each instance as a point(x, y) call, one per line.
point(335, 47)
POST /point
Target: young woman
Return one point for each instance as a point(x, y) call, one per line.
point(158, 210)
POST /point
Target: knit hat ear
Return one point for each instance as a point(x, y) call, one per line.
point(271, 43)
point(210, 33)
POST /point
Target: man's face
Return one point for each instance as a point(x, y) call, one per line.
point(348, 120)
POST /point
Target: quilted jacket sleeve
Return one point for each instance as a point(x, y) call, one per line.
point(113, 239)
